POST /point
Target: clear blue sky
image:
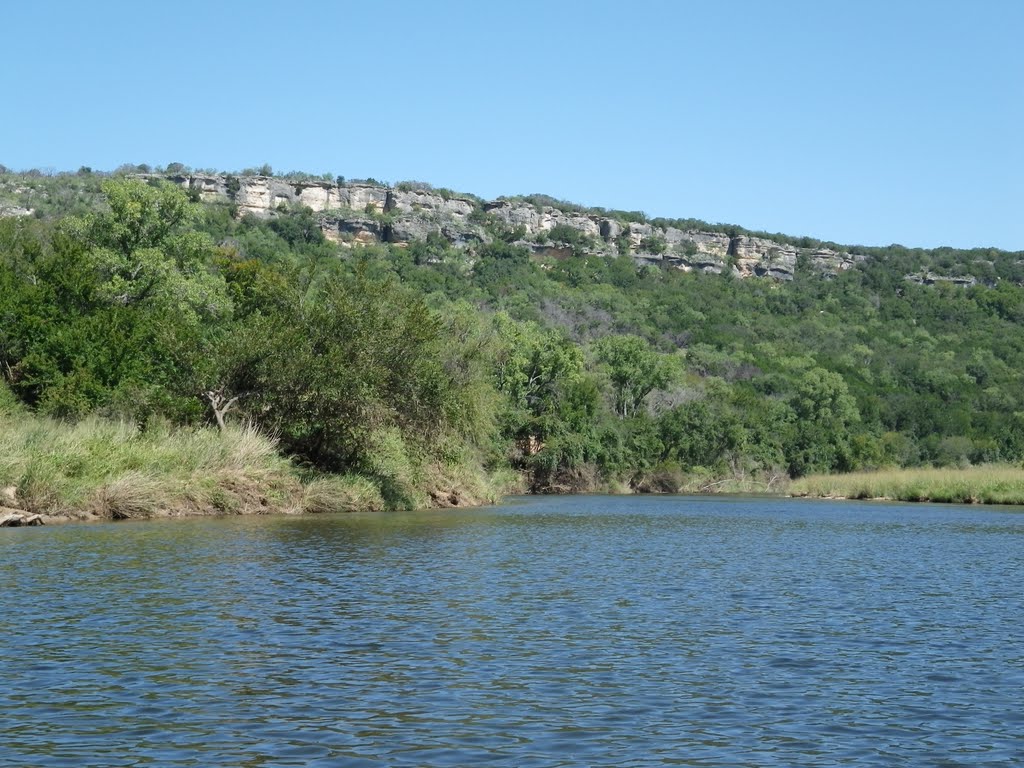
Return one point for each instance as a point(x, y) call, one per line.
point(855, 121)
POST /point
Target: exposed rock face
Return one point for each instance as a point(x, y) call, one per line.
point(360, 213)
point(610, 229)
point(363, 197)
point(930, 278)
point(420, 201)
point(210, 188)
point(261, 195)
point(687, 250)
point(352, 229)
point(14, 210)
point(540, 220)
point(833, 262)
point(317, 196)
point(405, 229)
point(755, 256)
point(638, 233)
point(709, 243)
point(464, 235)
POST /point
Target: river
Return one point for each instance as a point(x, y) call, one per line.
point(576, 631)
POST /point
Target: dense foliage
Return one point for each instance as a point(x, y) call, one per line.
point(581, 373)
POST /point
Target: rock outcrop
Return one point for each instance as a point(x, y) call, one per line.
point(763, 258)
point(362, 213)
point(11, 513)
point(14, 210)
point(14, 518)
point(540, 220)
point(832, 262)
point(931, 278)
point(352, 228)
point(688, 250)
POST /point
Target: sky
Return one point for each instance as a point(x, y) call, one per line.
point(855, 121)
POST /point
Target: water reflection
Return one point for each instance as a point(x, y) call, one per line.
point(579, 631)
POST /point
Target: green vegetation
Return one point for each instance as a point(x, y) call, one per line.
point(396, 376)
point(565, 235)
point(655, 245)
point(114, 470)
point(987, 484)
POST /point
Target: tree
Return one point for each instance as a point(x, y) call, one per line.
point(118, 302)
point(702, 433)
point(533, 363)
point(340, 369)
point(635, 370)
point(824, 413)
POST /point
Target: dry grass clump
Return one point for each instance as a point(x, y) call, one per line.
point(131, 495)
point(342, 493)
point(986, 484)
point(464, 483)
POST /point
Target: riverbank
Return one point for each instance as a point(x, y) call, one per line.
point(986, 484)
point(100, 469)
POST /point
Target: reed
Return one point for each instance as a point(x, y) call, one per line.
point(985, 484)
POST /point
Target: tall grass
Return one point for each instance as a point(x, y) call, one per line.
point(105, 469)
point(111, 469)
point(343, 493)
point(987, 484)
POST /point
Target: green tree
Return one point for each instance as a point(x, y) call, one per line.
point(824, 414)
point(113, 304)
point(532, 364)
point(703, 433)
point(634, 369)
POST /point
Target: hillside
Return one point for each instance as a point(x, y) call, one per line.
point(362, 212)
point(421, 339)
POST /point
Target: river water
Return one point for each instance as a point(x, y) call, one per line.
point(579, 631)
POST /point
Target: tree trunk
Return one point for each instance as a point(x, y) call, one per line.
point(221, 405)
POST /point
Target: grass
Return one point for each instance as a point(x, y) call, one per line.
point(345, 493)
point(100, 468)
point(987, 484)
point(105, 469)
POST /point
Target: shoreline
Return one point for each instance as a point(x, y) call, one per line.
point(98, 470)
point(56, 519)
point(18, 517)
point(249, 496)
point(913, 502)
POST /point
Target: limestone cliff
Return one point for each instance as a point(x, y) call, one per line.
point(359, 213)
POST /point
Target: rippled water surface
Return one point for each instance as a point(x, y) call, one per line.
point(586, 631)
